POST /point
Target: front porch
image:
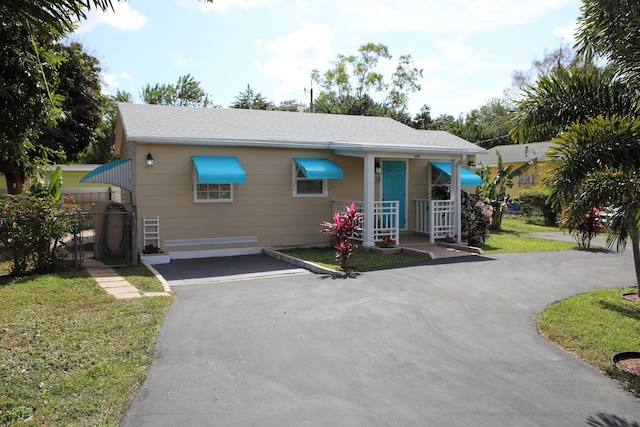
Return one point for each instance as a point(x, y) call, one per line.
point(434, 218)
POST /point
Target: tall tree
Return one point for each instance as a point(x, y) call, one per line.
point(595, 118)
point(567, 96)
point(563, 57)
point(609, 28)
point(27, 100)
point(250, 100)
point(28, 75)
point(187, 92)
point(291, 105)
point(79, 86)
point(100, 150)
point(595, 164)
point(350, 85)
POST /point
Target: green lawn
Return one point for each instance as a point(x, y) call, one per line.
point(511, 238)
point(594, 326)
point(325, 257)
point(69, 353)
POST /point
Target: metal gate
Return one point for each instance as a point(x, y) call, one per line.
point(108, 234)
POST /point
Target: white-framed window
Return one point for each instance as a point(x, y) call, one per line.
point(212, 193)
point(305, 187)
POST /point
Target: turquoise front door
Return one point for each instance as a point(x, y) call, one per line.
point(394, 185)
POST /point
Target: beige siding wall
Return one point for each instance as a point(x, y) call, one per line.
point(418, 187)
point(263, 207)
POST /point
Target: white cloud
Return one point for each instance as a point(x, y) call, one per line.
point(220, 6)
point(122, 17)
point(566, 33)
point(295, 56)
point(456, 51)
point(112, 80)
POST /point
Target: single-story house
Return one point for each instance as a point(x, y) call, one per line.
point(517, 155)
point(217, 182)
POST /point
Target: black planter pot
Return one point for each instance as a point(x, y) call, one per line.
point(618, 357)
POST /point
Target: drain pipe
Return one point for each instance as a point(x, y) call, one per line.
point(457, 207)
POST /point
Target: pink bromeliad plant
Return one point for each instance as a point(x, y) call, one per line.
point(345, 226)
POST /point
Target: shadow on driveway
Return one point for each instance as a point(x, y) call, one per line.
point(207, 270)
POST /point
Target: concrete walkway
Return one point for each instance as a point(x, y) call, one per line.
point(116, 285)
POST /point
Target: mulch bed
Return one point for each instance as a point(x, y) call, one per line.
point(631, 365)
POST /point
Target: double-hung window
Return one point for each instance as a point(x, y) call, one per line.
point(213, 193)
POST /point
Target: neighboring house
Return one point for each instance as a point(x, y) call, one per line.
point(85, 194)
point(517, 155)
point(231, 181)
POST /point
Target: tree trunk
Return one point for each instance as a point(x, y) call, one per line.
point(14, 176)
point(633, 231)
point(496, 218)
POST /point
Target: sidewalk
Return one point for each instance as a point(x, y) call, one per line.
point(117, 286)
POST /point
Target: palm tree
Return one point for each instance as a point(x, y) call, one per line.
point(595, 163)
point(595, 117)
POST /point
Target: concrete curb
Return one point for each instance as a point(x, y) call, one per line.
point(314, 268)
point(460, 247)
point(165, 284)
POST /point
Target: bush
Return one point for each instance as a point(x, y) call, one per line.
point(476, 219)
point(586, 229)
point(534, 200)
point(31, 227)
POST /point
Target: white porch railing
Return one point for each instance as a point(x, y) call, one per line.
point(386, 217)
point(435, 218)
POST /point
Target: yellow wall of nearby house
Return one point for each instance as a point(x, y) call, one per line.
point(536, 172)
point(71, 175)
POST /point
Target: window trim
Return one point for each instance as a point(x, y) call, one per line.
point(295, 178)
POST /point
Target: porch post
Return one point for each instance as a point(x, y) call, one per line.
point(369, 198)
point(457, 197)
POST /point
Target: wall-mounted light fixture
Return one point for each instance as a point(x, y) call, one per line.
point(378, 169)
point(472, 164)
point(149, 159)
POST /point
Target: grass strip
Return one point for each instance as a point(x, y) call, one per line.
point(512, 239)
point(325, 257)
point(594, 326)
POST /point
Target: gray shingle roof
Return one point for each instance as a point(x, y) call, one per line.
point(515, 153)
point(218, 126)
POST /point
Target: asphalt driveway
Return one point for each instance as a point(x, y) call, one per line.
point(434, 345)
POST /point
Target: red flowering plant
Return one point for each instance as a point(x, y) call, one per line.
point(451, 239)
point(586, 230)
point(345, 226)
point(387, 242)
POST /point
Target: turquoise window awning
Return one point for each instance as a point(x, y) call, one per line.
point(218, 170)
point(467, 177)
point(318, 168)
point(117, 172)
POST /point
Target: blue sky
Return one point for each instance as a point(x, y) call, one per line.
point(468, 49)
